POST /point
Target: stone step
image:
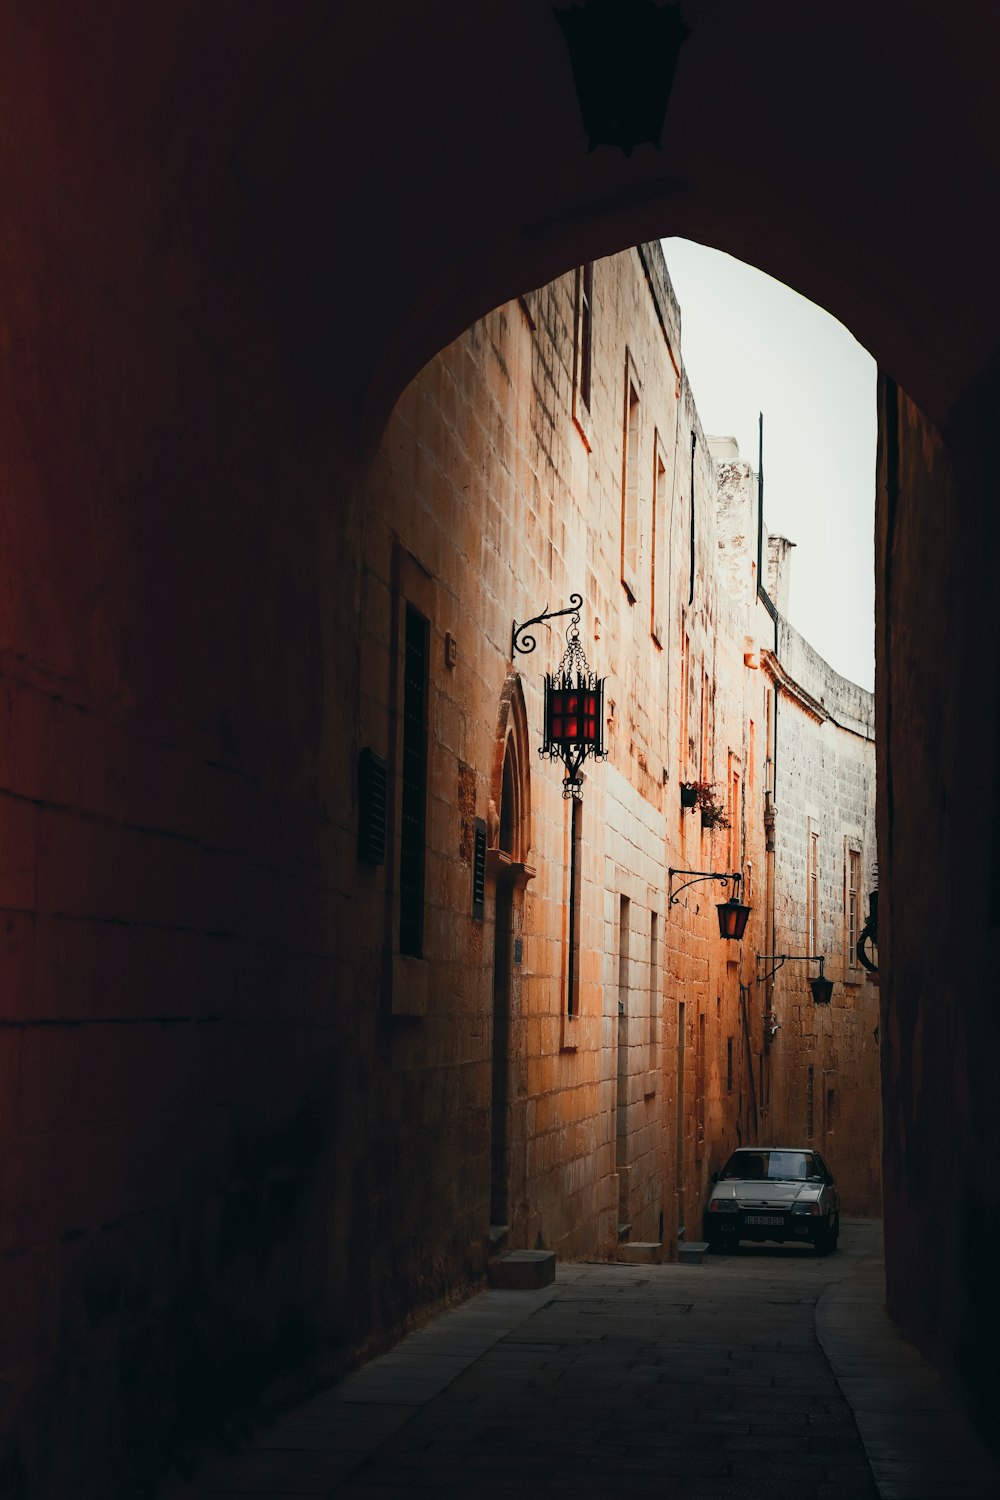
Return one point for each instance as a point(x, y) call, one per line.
point(641, 1253)
point(523, 1270)
point(692, 1252)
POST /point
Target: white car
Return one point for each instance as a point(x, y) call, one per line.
point(774, 1193)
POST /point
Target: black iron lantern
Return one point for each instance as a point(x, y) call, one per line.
point(733, 916)
point(733, 913)
point(822, 988)
point(574, 698)
point(574, 713)
point(624, 54)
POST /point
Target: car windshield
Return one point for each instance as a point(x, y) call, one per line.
point(773, 1166)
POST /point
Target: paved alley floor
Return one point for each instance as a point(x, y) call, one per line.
point(769, 1373)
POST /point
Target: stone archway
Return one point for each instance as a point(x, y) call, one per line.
point(215, 296)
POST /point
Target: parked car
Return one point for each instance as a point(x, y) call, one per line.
point(774, 1193)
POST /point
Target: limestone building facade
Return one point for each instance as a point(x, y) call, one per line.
point(555, 1048)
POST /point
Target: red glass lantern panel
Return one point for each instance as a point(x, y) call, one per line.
point(732, 919)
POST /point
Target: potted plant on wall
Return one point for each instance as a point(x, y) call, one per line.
point(689, 794)
point(713, 810)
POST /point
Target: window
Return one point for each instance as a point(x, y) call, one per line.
point(813, 892)
point(734, 813)
point(853, 906)
point(699, 1103)
point(656, 537)
point(624, 908)
point(685, 747)
point(414, 801)
point(630, 487)
point(586, 315)
point(751, 772)
point(679, 1122)
point(729, 1065)
point(573, 933)
point(705, 753)
point(583, 353)
point(809, 1105)
point(654, 986)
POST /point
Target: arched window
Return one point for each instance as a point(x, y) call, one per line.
point(509, 799)
point(510, 788)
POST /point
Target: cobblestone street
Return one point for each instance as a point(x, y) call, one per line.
point(749, 1375)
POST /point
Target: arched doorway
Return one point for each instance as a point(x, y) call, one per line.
point(510, 842)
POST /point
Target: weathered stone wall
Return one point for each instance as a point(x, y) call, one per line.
point(824, 1059)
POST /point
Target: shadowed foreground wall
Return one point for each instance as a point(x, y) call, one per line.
point(939, 840)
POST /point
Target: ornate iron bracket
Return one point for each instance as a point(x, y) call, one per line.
point(869, 936)
point(528, 643)
point(784, 958)
point(722, 876)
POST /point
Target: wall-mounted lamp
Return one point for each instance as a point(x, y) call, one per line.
point(868, 939)
point(733, 913)
point(574, 700)
point(623, 53)
point(822, 988)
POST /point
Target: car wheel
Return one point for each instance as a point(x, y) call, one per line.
point(826, 1238)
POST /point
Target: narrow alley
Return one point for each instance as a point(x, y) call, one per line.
point(772, 1373)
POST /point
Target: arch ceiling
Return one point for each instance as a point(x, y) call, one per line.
point(376, 176)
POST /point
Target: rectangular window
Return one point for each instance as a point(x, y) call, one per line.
point(685, 699)
point(679, 1122)
point(622, 1059)
point(630, 489)
point(624, 909)
point(699, 1103)
point(583, 351)
point(656, 538)
point(573, 934)
point(751, 768)
point(705, 752)
point(813, 892)
point(729, 1065)
point(853, 906)
point(586, 316)
point(809, 1105)
point(414, 800)
point(735, 813)
point(654, 985)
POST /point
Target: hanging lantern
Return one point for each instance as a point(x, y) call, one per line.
point(822, 988)
point(733, 916)
point(574, 713)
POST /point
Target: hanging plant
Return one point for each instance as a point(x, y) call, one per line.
point(689, 794)
point(713, 810)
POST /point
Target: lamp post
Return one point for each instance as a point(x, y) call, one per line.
point(733, 913)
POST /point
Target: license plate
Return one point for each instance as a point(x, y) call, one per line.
point(764, 1218)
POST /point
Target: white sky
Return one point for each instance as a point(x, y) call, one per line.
point(749, 344)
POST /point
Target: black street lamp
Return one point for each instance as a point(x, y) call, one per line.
point(624, 54)
point(822, 988)
point(574, 700)
point(733, 913)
